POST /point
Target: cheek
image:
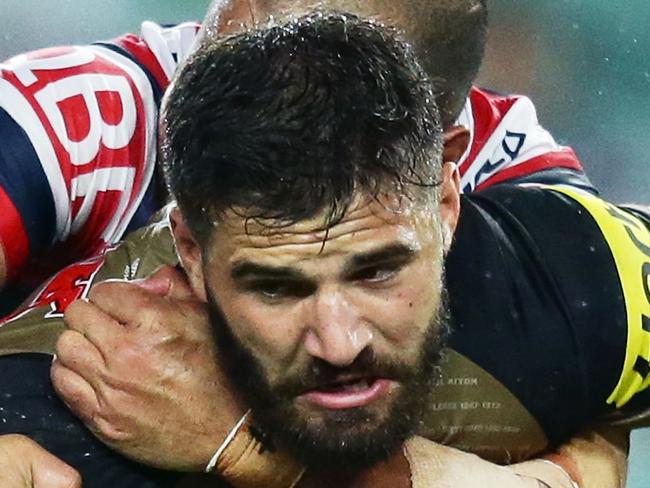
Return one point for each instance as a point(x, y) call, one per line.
point(404, 315)
point(271, 333)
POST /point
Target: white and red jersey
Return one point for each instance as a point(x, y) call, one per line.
point(507, 143)
point(78, 142)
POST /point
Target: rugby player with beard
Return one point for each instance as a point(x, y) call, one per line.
point(77, 167)
point(325, 287)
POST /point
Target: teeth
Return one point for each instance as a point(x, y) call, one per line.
point(356, 385)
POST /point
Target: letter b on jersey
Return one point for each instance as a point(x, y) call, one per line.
point(85, 88)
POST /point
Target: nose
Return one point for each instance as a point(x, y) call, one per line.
point(335, 332)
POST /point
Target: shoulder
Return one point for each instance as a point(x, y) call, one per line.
point(78, 125)
point(35, 326)
point(558, 281)
point(508, 143)
point(158, 49)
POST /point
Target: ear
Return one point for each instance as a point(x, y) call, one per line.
point(449, 205)
point(456, 141)
point(189, 252)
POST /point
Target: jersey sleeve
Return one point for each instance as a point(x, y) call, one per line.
point(552, 302)
point(35, 326)
point(77, 150)
point(509, 145)
point(159, 49)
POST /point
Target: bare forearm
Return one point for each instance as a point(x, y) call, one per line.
point(423, 464)
point(595, 459)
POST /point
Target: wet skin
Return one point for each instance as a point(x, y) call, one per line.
point(294, 294)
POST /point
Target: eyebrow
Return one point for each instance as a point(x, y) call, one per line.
point(399, 251)
point(246, 270)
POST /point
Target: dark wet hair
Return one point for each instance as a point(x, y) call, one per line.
point(288, 121)
point(448, 36)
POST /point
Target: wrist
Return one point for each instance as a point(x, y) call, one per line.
point(242, 460)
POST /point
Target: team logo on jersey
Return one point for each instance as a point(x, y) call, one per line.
point(66, 286)
point(508, 151)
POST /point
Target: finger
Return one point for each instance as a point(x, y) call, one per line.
point(134, 307)
point(169, 282)
point(79, 354)
point(100, 328)
point(25, 463)
point(125, 302)
point(79, 395)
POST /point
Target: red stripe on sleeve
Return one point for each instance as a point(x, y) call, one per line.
point(566, 158)
point(13, 237)
point(139, 49)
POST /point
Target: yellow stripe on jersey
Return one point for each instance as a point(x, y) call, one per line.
point(629, 241)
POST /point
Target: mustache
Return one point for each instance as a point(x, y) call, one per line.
point(319, 373)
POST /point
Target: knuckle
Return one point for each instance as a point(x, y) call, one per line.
point(66, 345)
point(57, 375)
point(107, 428)
point(74, 310)
point(64, 386)
point(99, 289)
point(110, 288)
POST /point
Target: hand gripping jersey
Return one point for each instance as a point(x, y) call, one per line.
point(77, 144)
point(553, 337)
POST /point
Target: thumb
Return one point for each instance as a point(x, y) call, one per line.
point(167, 281)
point(56, 475)
point(47, 470)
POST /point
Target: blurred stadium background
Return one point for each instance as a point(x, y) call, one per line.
point(585, 64)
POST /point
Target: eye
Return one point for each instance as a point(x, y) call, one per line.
point(377, 274)
point(275, 290)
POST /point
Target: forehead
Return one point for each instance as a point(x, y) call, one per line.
point(369, 223)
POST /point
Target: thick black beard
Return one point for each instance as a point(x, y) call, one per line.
point(335, 445)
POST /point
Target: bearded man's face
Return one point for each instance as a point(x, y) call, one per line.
point(332, 336)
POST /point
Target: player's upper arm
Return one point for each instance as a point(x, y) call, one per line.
point(579, 284)
point(508, 144)
point(77, 150)
point(616, 286)
point(627, 235)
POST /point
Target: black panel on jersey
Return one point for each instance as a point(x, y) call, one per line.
point(11, 297)
point(29, 406)
point(551, 308)
point(25, 182)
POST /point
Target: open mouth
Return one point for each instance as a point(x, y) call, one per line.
point(349, 393)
